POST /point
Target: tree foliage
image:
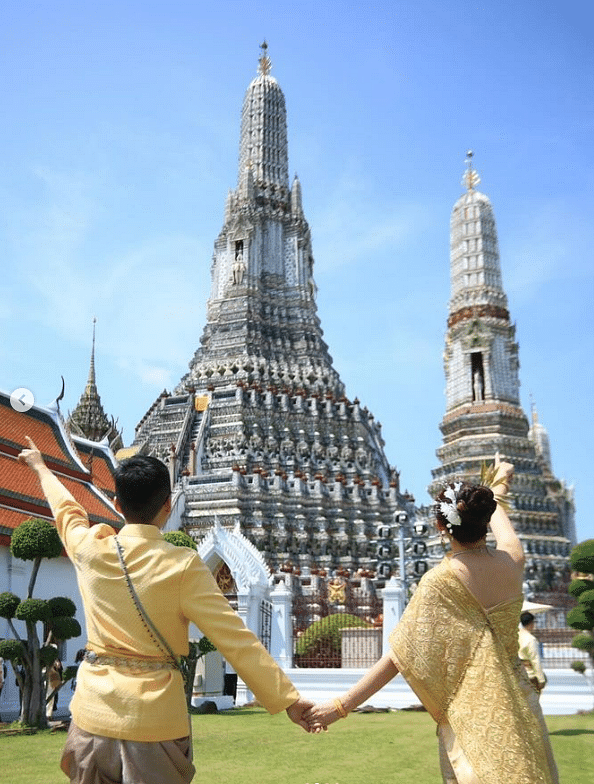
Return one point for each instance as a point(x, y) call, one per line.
point(8, 604)
point(35, 538)
point(327, 630)
point(29, 654)
point(180, 539)
point(582, 557)
point(33, 611)
point(62, 606)
point(12, 651)
point(582, 588)
point(65, 628)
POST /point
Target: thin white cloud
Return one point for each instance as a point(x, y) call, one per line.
point(554, 242)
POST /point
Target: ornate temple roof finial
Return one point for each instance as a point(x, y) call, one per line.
point(92, 379)
point(264, 63)
point(471, 177)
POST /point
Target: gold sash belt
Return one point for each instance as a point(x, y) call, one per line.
point(133, 664)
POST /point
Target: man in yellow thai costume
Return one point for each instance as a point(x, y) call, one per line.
point(457, 647)
point(130, 721)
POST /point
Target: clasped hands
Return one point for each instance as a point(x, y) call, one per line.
point(313, 718)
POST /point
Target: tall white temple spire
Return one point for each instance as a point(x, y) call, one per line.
point(483, 412)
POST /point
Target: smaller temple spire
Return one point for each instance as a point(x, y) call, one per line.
point(88, 418)
point(471, 177)
point(264, 63)
point(92, 383)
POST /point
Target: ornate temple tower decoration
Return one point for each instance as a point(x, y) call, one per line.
point(88, 419)
point(483, 412)
point(260, 432)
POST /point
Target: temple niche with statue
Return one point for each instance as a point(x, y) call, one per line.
point(260, 436)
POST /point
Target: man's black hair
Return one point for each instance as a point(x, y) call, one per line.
point(526, 618)
point(142, 486)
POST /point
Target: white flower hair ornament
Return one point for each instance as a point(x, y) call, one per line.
point(448, 508)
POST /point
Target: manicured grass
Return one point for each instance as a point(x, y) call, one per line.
point(248, 746)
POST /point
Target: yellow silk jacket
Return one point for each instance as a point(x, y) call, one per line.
point(175, 587)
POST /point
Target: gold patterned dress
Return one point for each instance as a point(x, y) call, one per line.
point(462, 662)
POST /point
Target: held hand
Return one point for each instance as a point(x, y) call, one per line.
point(320, 716)
point(32, 456)
point(297, 710)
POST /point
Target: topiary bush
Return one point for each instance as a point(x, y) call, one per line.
point(580, 618)
point(8, 604)
point(65, 628)
point(33, 611)
point(48, 655)
point(60, 607)
point(584, 642)
point(582, 557)
point(35, 538)
point(327, 631)
point(180, 539)
point(578, 586)
point(582, 588)
point(12, 651)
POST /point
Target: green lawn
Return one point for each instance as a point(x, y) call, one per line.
point(247, 746)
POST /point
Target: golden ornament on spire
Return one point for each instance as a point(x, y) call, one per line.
point(471, 177)
point(265, 63)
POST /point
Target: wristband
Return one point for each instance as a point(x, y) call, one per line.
point(340, 709)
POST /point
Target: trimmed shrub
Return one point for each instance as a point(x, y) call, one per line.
point(580, 618)
point(577, 587)
point(48, 655)
point(583, 642)
point(582, 557)
point(62, 606)
point(587, 599)
point(35, 538)
point(180, 539)
point(33, 610)
point(328, 630)
point(65, 628)
point(8, 604)
point(12, 650)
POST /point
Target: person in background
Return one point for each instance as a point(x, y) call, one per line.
point(53, 682)
point(529, 652)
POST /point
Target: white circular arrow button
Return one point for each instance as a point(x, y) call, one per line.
point(22, 399)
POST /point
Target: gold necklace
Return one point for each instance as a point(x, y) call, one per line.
point(481, 548)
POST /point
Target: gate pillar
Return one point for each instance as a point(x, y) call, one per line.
point(281, 637)
point(393, 609)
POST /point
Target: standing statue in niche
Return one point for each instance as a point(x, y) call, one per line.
point(477, 386)
point(238, 269)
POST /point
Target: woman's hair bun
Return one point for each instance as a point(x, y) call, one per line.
point(475, 505)
point(479, 501)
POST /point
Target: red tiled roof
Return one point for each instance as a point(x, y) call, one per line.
point(100, 466)
point(39, 425)
point(20, 489)
point(20, 492)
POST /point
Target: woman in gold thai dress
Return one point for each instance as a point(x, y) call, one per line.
point(457, 646)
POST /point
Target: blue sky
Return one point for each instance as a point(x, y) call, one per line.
point(120, 140)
